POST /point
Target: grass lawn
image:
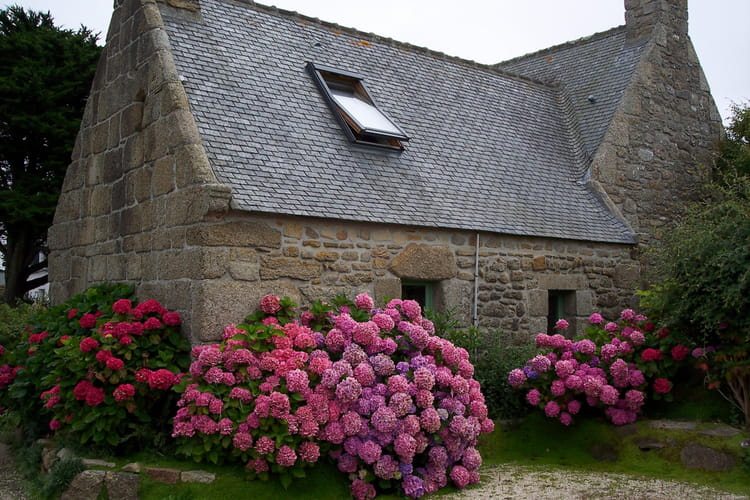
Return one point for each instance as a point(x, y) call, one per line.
point(536, 441)
point(541, 441)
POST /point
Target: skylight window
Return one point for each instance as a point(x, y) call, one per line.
point(355, 110)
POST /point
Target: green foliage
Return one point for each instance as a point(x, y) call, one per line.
point(59, 477)
point(493, 354)
point(104, 395)
point(45, 76)
point(703, 267)
point(734, 150)
point(542, 443)
point(13, 320)
point(703, 271)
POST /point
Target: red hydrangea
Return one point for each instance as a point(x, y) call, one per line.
point(171, 319)
point(88, 344)
point(115, 364)
point(123, 392)
point(662, 385)
point(679, 352)
point(122, 306)
point(162, 379)
point(651, 355)
point(88, 320)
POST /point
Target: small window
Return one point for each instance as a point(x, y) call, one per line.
point(421, 291)
point(561, 306)
point(355, 110)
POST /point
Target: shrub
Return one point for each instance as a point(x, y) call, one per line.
point(98, 370)
point(614, 367)
point(396, 406)
point(493, 354)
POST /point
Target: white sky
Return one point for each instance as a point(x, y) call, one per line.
point(490, 31)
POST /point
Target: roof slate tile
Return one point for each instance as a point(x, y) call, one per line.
point(489, 151)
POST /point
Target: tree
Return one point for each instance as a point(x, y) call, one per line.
point(703, 271)
point(734, 149)
point(45, 76)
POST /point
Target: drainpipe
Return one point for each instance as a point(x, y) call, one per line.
point(476, 281)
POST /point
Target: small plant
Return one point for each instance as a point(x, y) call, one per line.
point(97, 369)
point(59, 477)
point(613, 367)
point(493, 354)
point(394, 405)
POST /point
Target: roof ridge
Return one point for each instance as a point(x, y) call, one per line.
point(570, 43)
point(493, 68)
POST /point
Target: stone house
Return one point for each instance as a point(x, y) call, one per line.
point(229, 150)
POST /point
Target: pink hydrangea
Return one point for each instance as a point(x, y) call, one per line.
point(516, 377)
point(286, 456)
point(384, 321)
point(557, 388)
point(362, 490)
point(309, 451)
point(596, 319)
point(561, 324)
point(460, 476)
point(533, 397)
point(242, 441)
point(364, 302)
point(565, 418)
point(270, 304)
point(551, 409)
point(627, 314)
point(611, 327)
point(609, 395)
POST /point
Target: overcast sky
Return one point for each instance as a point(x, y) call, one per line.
point(490, 31)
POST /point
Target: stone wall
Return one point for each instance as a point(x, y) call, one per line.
point(657, 152)
point(139, 178)
point(245, 257)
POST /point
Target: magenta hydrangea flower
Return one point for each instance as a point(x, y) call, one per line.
point(242, 441)
point(611, 327)
point(551, 409)
point(411, 309)
point(362, 490)
point(596, 319)
point(286, 456)
point(533, 397)
point(557, 388)
point(364, 302)
point(627, 314)
point(348, 390)
point(270, 304)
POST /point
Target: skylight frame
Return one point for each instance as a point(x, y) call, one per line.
point(353, 119)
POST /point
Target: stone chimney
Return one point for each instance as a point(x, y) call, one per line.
point(641, 16)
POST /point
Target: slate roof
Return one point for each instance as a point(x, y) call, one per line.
point(489, 151)
point(599, 66)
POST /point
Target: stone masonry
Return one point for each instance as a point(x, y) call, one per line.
point(139, 180)
point(141, 203)
point(657, 151)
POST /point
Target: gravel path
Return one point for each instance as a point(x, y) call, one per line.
point(10, 478)
point(503, 482)
point(512, 482)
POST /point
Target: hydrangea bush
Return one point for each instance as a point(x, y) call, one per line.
point(99, 369)
point(394, 405)
point(613, 367)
